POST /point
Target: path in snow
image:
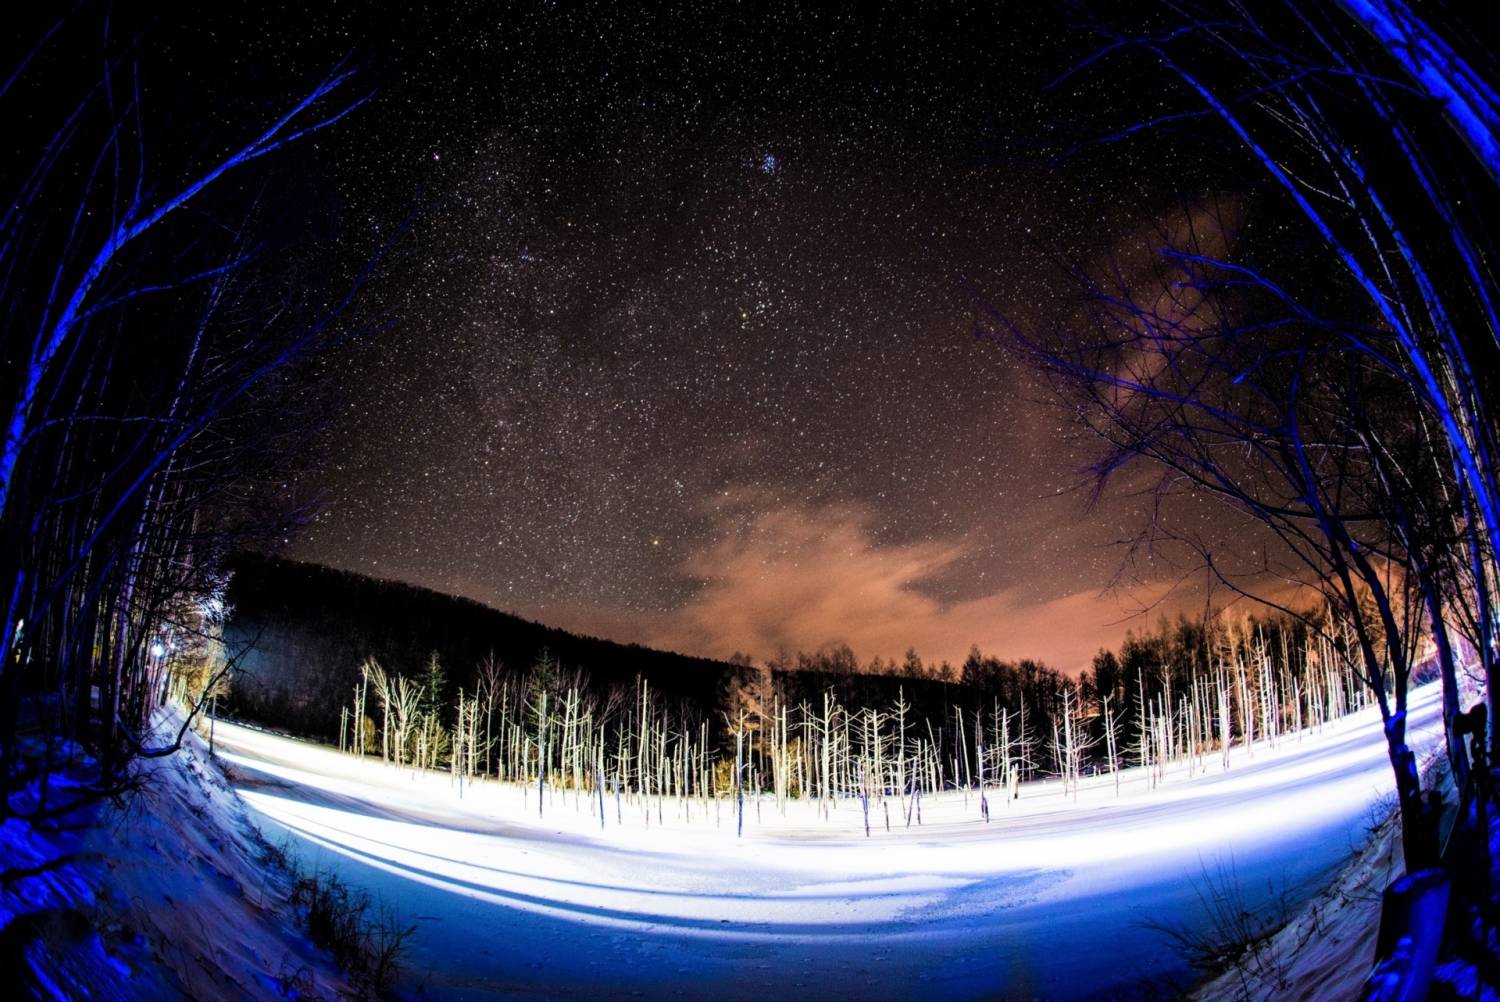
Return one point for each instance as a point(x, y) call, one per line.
point(1053, 899)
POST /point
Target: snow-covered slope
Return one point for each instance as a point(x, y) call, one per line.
point(1054, 898)
point(1327, 949)
point(165, 897)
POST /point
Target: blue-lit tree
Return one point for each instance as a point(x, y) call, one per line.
point(1235, 393)
point(146, 325)
point(1323, 357)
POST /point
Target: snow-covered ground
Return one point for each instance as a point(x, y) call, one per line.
point(1054, 898)
point(166, 895)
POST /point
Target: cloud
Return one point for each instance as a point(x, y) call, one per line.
point(799, 577)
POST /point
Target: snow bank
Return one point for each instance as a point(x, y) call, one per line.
point(1327, 949)
point(164, 897)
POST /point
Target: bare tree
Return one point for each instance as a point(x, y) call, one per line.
point(1379, 134)
point(1332, 386)
point(147, 328)
point(1240, 393)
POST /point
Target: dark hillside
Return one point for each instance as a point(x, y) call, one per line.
point(312, 626)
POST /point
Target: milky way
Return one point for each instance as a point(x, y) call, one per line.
point(685, 326)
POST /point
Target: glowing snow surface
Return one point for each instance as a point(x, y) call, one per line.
point(1052, 899)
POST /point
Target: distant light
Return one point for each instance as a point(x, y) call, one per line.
point(769, 163)
point(157, 649)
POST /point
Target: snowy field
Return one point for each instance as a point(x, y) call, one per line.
point(1053, 898)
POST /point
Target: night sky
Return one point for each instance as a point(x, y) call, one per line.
point(683, 345)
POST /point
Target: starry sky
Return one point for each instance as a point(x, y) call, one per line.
point(683, 334)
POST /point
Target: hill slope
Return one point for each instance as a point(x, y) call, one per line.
point(308, 628)
point(312, 626)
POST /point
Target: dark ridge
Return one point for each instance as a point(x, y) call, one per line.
point(309, 627)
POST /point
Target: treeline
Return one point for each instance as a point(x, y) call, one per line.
point(300, 633)
point(1184, 696)
point(432, 681)
point(1192, 686)
point(840, 659)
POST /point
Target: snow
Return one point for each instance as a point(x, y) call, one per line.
point(165, 895)
point(1327, 949)
point(1057, 897)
